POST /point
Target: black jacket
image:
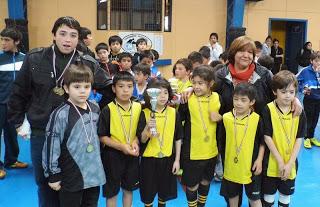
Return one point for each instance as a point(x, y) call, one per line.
point(261, 80)
point(32, 90)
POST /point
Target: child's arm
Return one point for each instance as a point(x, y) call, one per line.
point(51, 149)
point(288, 166)
point(176, 164)
point(178, 136)
point(273, 149)
point(259, 141)
point(125, 148)
point(296, 148)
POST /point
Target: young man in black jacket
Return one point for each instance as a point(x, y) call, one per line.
point(38, 90)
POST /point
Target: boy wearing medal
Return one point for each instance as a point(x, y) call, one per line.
point(160, 160)
point(117, 131)
point(242, 148)
point(71, 152)
point(199, 149)
point(283, 134)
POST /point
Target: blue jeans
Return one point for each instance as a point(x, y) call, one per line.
point(46, 196)
point(10, 138)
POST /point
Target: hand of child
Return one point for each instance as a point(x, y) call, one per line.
point(135, 148)
point(185, 95)
point(55, 186)
point(152, 123)
point(281, 167)
point(286, 171)
point(127, 149)
point(176, 167)
point(257, 167)
point(215, 116)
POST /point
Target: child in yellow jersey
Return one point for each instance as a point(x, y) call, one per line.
point(118, 123)
point(160, 151)
point(181, 80)
point(242, 148)
point(199, 149)
point(283, 134)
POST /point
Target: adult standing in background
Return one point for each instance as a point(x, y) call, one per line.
point(215, 47)
point(277, 54)
point(266, 46)
point(10, 63)
point(303, 56)
point(37, 91)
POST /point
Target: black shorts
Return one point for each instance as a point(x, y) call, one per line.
point(156, 177)
point(270, 185)
point(121, 170)
point(231, 189)
point(196, 170)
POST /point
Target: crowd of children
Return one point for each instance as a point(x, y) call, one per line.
point(132, 142)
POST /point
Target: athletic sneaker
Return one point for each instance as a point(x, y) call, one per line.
point(2, 173)
point(315, 142)
point(18, 165)
point(307, 143)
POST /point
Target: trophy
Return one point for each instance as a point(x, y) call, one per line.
point(174, 84)
point(153, 93)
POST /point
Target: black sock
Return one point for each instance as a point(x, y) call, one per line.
point(202, 194)
point(191, 197)
point(161, 203)
point(267, 204)
point(282, 205)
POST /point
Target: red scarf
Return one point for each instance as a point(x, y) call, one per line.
point(242, 76)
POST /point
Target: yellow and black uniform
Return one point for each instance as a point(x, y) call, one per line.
point(183, 85)
point(199, 149)
point(237, 167)
point(156, 172)
point(279, 126)
point(120, 169)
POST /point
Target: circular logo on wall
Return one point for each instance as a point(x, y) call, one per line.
point(129, 42)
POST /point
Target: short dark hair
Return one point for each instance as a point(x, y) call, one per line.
point(269, 37)
point(77, 73)
point(215, 63)
point(124, 55)
point(101, 46)
point(241, 43)
point(205, 72)
point(144, 68)
point(122, 76)
point(283, 79)
point(140, 40)
point(214, 34)
point(266, 61)
point(155, 54)
point(84, 32)
point(205, 52)
point(224, 56)
point(258, 44)
point(147, 54)
point(275, 40)
point(315, 55)
point(12, 33)
point(115, 38)
point(68, 21)
point(195, 57)
point(157, 83)
point(185, 62)
point(245, 89)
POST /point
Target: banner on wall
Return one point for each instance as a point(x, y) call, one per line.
point(154, 41)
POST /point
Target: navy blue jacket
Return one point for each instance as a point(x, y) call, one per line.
point(10, 64)
point(311, 79)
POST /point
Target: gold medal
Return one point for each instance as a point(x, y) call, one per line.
point(90, 148)
point(235, 160)
point(160, 155)
point(58, 90)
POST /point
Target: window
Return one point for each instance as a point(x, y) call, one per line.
point(167, 15)
point(102, 14)
point(145, 15)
